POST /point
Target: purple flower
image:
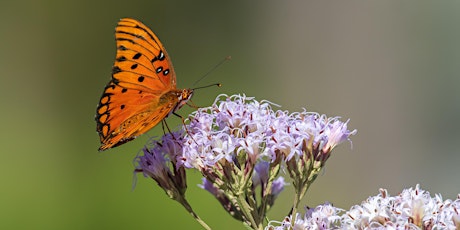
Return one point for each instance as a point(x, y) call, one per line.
point(322, 217)
point(222, 198)
point(261, 172)
point(412, 209)
point(209, 186)
point(242, 124)
point(239, 140)
point(278, 186)
point(159, 163)
point(240, 144)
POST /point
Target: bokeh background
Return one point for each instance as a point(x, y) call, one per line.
point(392, 67)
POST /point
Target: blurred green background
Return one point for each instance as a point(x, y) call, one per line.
point(392, 67)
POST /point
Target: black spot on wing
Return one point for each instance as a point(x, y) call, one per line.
point(137, 56)
point(116, 69)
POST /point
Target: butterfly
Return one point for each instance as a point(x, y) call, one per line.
point(142, 91)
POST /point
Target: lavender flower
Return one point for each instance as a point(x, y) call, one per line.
point(242, 124)
point(412, 209)
point(322, 217)
point(240, 144)
point(222, 198)
point(159, 163)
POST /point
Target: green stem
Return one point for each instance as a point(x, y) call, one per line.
point(300, 193)
point(246, 210)
point(297, 199)
point(187, 206)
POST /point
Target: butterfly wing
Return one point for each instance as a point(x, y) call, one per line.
point(141, 62)
point(132, 101)
point(123, 114)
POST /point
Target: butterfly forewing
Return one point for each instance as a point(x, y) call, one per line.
point(141, 58)
point(142, 90)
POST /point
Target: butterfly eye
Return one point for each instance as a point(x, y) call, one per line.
point(186, 94)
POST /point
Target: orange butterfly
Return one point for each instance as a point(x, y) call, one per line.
point(142, 91)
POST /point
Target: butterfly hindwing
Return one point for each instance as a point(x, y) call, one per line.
point(123, 114)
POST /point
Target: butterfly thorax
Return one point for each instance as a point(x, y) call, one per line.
point(178, 96)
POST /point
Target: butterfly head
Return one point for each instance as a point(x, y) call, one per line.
point(184, 96)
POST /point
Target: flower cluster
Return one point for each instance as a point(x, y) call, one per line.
point(323, 216)
point(412, 209)
point(159, 162)
point(241, 123)
point(239, 145)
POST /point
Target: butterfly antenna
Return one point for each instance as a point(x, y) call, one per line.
point(206, 86)
point(212, 69)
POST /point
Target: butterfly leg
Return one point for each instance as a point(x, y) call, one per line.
point(185, 127)
point(163, 123)
point(193, 105)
